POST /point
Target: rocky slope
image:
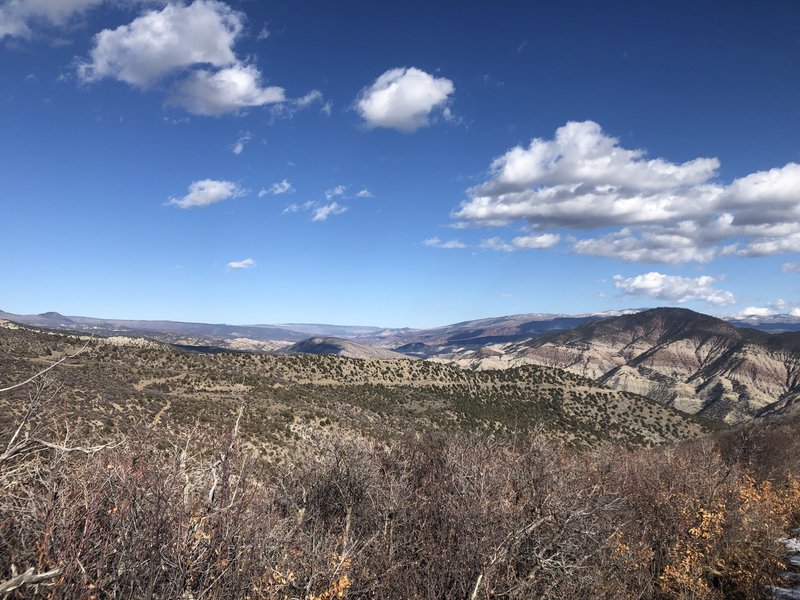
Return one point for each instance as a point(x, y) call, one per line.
point(696, 363)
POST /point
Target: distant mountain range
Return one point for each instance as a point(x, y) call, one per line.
point(421, 343)
point(729, 370)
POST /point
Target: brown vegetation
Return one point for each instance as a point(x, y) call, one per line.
point(431, 516)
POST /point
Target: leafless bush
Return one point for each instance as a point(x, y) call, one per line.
point(431, 516)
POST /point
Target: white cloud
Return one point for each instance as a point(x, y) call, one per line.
point(545, 240)
point(276, 189)
point(18, 16)
point(790, 267)
point(756, 311)
point(523, 242)
point(674, 288)
point(778, 307)
point(435, 242)
point(770, 245)
point(264, 33)
point(323, 212)
point(365, 193)
point(335, 192)
point(247, 263)
point(496, 243)
point(207, 191)
point(164, 41)
point(309, 99)
point(191, 44)
point(231, 89)
point(650, 247)
point(583, 179)
point(659, 211)
point(238, 147)
point(289, 108)
point(403, 99)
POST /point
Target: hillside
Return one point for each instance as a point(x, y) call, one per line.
point(117, 383)
point(341, 347)
point(694, 362)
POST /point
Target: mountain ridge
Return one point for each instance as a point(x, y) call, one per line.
point(697, 363)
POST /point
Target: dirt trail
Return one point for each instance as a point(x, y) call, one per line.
point(160, 413)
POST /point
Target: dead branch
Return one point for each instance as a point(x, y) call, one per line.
point(29, 578)
point(45, 370)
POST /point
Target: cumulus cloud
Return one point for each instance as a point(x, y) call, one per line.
point(207, 191)
point(674, 288)
point(323, 212)
point(276, 189)
point(435, 242)
point(404, 99)
point(17, 17)
point(658, 211)
point(583, 179)
point(164, 41)
point(236, 265)
point(214, 93)
point(365, 193)
point(191, 44)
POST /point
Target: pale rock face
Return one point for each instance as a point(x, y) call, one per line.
point(697, 364)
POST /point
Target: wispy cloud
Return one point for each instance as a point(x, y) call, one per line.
point(335, 192)
point(276, 189)
point(238, 147)
point(524, 242)
point(288, 109)
point(323, 212)
point(497, 244)
point(790, 267)
point(435, 242)
point(236, 265)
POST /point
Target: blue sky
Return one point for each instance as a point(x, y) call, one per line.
point(411, 164)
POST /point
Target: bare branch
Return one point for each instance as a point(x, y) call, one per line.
point(29, 578)
point(43, 371)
